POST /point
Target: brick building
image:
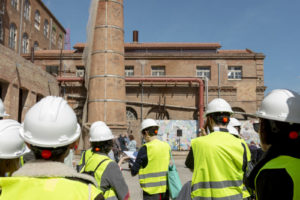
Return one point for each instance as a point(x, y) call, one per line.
point(29, 23)
point(235, 75)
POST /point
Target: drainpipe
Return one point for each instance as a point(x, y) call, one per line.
point(161, 79)
point(21, 26)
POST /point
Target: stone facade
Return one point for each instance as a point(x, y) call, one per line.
point(29, 18)
point(22, 83)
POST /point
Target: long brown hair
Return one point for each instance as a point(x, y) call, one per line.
point(9, 166)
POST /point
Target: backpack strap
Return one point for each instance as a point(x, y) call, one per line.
point(99, 165)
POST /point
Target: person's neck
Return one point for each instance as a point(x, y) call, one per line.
point(149, 139)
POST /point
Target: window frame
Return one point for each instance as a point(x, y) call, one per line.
point(53, 35)
point(235, 72)
point(37, 19)
point(52, 69)
point(156, 72)
point(129, 70)
point(14, 4)
point(204, 70)
point(27, 9)
point(12, 42)
point(25, 43)
point(46, 28)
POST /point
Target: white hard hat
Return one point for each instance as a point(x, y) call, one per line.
point(218, 105)
point(11, 144)
point(148, 123)
point(233, 130)
point(234, 122)
point(100, 132)
point(50, 123)
point(2, 110)
point(281, 105)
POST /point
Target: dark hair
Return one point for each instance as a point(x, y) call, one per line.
point(131, 137)
point(152, 131)
point(102, 147)
point(46, 153)
point(275, 132)
point(220, 118)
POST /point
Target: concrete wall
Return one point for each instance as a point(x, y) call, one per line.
point(19, 76)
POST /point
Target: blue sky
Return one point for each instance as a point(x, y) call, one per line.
point(271, 27)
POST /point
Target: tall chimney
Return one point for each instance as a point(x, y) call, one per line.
point(135, 36)
point(106, 93)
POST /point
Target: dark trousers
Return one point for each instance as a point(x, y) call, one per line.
point(162, 196)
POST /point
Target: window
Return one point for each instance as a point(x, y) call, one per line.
point(203, 72)
point(14, 3)
point(1, 29)
point(53, 39)
point(27, 10)
point(158, 71)
point(234, 73)
point(80, 71)
point(36, 45)
point(37, 19)
point(46, 28)
point(12, 36)
point(129, 71)
point(59, 42)
point(25, 43)
point(52, 70)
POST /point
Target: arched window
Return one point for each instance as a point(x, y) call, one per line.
point(53, 38)
point(59, 42)
point(25, 43)
point(239, 113)
point(27, 10)
point(131, 114)
point(1, 29)
point(14, 3)
point(37, 19)
point(46, 28)
point(158, 113)
point(12, 36)
point(36, 45)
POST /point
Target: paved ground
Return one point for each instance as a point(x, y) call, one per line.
point(133, 182)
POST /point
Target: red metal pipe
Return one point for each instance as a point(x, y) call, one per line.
point(161, 79)
point(69, 79)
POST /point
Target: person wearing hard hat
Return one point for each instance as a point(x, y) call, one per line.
point(12, 147)
point(50, 130)
point(276, 175)
point(151, 163)
point(235, 124)
point(234, 127)
point(218, 160)
point(98, 164)
point(2, 110)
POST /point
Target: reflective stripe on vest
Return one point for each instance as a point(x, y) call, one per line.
point(153, 178)
point(233, 197)
point(29, 188)
point(291, 165)
point(91, 165)
point(218, 169)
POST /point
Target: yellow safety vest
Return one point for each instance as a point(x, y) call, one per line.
point(32, 188)
point(218, 167)
point(92, 165)
point(84, 158)
point(153, 178)
point(291, 165)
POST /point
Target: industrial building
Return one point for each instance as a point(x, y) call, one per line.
point(123, 83)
